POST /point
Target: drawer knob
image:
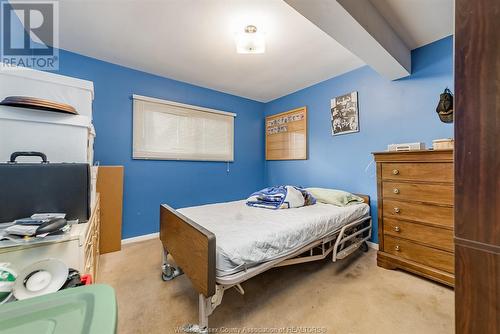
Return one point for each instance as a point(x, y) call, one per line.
point(397, 248)
point(395, 190)
point(397, 210)
point(397, 229)
point(395, 171)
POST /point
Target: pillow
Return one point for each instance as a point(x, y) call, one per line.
point(293, 198)
point(334, 196)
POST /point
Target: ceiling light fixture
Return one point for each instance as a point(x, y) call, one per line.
point(250, 41)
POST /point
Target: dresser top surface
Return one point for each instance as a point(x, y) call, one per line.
point(450, 151)
point(414, 156)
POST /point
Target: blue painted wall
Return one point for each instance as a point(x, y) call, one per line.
point(178, 183)
point(390, 112)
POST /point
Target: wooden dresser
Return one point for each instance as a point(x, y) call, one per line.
point(415, 213)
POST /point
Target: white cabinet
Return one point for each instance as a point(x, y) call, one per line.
point(20, 81)
point(79, 251)
point(62, 137)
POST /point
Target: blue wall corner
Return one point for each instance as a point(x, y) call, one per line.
point(390, 112)
point(149, 183)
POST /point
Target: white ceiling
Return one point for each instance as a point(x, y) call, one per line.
point(418, 22)
point(193, 40)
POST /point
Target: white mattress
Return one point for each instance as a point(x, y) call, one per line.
point(247, 236)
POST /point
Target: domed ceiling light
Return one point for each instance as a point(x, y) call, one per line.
point(250, 41)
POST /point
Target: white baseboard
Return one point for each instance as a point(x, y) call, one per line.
point(141, 238)
point(372, 245)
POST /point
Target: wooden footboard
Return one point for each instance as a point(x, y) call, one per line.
point(191, 246)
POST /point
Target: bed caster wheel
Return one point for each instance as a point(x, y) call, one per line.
point(167, 273)
point(364, 247)
point(166, 278)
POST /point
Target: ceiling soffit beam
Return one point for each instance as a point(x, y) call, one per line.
point(358, 26)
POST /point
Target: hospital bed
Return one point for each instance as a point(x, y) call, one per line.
point(219, 246)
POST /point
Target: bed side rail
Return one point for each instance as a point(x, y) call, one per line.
point(191, 246)
point(362, 232)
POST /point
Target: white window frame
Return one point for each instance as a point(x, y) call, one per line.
point(137, 153)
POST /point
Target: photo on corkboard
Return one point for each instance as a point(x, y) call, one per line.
point(344, 114)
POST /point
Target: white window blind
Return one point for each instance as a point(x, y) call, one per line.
point(167, 130)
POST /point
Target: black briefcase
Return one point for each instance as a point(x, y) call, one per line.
point(28, 188)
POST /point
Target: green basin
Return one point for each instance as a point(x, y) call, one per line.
point(88, 309)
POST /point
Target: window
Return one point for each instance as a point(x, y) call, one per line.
point(166, 130)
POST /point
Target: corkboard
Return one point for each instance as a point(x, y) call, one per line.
point(286, 135)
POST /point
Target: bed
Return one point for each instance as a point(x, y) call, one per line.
point(219, 246)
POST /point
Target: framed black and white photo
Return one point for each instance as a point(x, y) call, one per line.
point(344, 114)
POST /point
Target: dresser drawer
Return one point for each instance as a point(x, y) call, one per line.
point(435, 193)
point(425, 255)
point(418, 171)
point(432, 236)
point(428, 213)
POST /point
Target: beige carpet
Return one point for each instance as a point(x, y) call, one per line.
point(349, 296)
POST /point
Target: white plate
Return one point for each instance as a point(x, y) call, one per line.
point(40, 278)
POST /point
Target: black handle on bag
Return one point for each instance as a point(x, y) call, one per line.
point(14, 156)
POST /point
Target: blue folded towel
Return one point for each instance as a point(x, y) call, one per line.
point(280, 197)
